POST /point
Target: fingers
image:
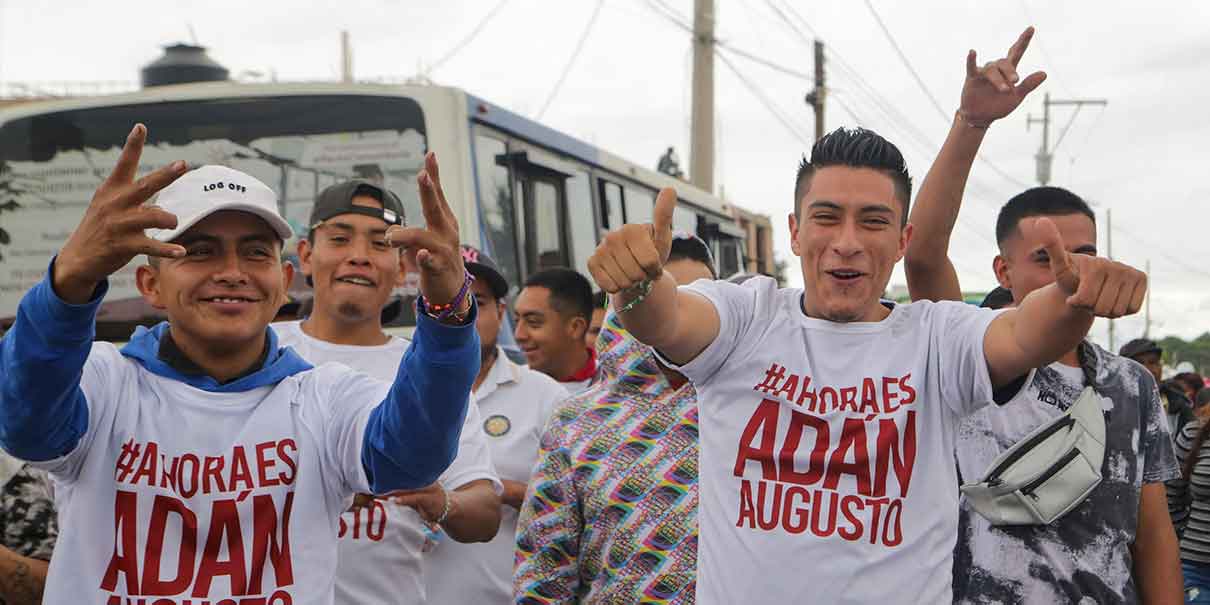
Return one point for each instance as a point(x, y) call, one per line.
point(1121, 305)
point(1140, 293)
point(1018, 48)
point(648, 258)
point(665, 206)
point(413, 238)
point(1091, 283)
point(437, 214)
point(972, 66)
point(1108, 296)
point(1001, 75)
point(151, 247)
point(1043, 230)
point(151, 184)
point(128, 161)
point(146, 218)
point(614, 278)
point(1031, 82)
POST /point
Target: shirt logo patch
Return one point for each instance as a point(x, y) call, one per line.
point(497, 426)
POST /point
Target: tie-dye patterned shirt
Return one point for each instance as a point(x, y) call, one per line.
point(611, 511)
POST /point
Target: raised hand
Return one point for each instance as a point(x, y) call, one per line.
point(995, 90)
point(433, 248)
point(635, 253)
point(1098, 285)
point(429, 502)
point(111, 232)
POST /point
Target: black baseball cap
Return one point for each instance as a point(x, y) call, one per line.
point(338, 199)
point(483, 267)
point(688, 245)
point(1139, 346)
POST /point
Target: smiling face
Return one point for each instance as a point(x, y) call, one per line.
point(849, 234)
point(546, 336)
point(1023, 265)
point(352, 268)
point(226, 289)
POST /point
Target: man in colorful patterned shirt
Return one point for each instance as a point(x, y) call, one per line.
point(611, 511)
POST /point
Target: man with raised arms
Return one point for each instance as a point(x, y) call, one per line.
point(353, 270)
point(201, 462)
point(828, 416)
point(1117, 545)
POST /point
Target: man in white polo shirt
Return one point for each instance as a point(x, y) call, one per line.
point(201, 463)
point(515, 402)
point(828, 417)
point(353, 271)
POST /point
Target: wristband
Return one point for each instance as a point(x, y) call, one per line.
point(642, 289)
point(445, 510)
point(972, 123)
point(443, 312)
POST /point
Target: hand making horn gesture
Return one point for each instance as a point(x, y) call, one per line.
point(634, 254)
point(434, 247)
point(111, 232)
point(1098, 285)
point(995, 90)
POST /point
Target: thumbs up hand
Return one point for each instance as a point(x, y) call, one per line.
point(633, 254)
point(1098, 285)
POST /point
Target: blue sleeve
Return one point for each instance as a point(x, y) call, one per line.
point(412, 436)
point(43, 413)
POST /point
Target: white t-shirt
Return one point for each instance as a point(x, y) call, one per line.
point(381, 545)
point(198, 493)
point(515, 402)
point(827, 449)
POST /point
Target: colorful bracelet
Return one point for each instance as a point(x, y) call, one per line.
point(443, 312)
point(642, 289)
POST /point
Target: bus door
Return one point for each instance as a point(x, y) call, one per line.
point(542, 214)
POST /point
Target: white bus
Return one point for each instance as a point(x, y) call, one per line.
point(527, 195)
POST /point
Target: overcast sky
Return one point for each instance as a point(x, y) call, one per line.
point(1143, 155)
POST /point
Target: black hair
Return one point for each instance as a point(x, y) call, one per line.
point(686, 248)
point(361, 190)
point(1039, 201)
point(599, 299)
point(857, 148)
point(570, 292)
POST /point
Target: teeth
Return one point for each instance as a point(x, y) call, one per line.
point(229, 300)
point(361, 281)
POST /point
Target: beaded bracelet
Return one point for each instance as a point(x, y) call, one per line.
point(443, 312)
point(642, 288)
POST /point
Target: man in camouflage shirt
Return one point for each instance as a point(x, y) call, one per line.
point(28, 529)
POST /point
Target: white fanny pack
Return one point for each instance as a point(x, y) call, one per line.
point(1049, 472)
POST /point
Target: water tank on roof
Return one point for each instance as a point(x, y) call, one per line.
point(183, 63)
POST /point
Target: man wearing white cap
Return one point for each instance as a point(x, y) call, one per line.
point(227, 460)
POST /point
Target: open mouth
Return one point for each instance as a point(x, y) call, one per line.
point(228, 300)
point(356, 281)
point(845, 275)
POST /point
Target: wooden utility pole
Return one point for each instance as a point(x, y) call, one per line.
point(701, 136)
point(1109, 254)
point(346, 58)
point(816, 98)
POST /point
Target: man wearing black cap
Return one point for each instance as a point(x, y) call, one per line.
point(353, 271)
point(1176, 404)
point(515, 402)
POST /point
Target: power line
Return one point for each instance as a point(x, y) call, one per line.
point(571, 61)
point(906, 63)
point(760, 96)
point(1171, 257)
point(467, 40)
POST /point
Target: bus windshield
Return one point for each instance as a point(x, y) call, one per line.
point(51, 163)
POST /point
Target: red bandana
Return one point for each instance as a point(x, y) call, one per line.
point(588, 371)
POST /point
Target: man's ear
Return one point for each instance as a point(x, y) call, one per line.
point(578, 326)
point(1003, 275)
point(287, 273)
point(147, 279)
point(793, 220)
point(305, 249)
point(905, 238)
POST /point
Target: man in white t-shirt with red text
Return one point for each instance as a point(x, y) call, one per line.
point(202, 463)
point(827, 416)
point(353, 271)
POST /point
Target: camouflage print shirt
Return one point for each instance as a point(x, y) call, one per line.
point(27, 515)
point(1084, 557)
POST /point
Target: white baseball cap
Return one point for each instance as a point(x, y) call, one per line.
point(209, 189)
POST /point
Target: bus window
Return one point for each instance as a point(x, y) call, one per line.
point(611, 206)
point(497, 212)
point(729, 257)
point(639, 205)
point(51, 163)
point(580, 220)
point(684, 220)
point(544, 236)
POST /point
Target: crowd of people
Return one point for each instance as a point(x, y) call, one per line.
point(672, 438)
